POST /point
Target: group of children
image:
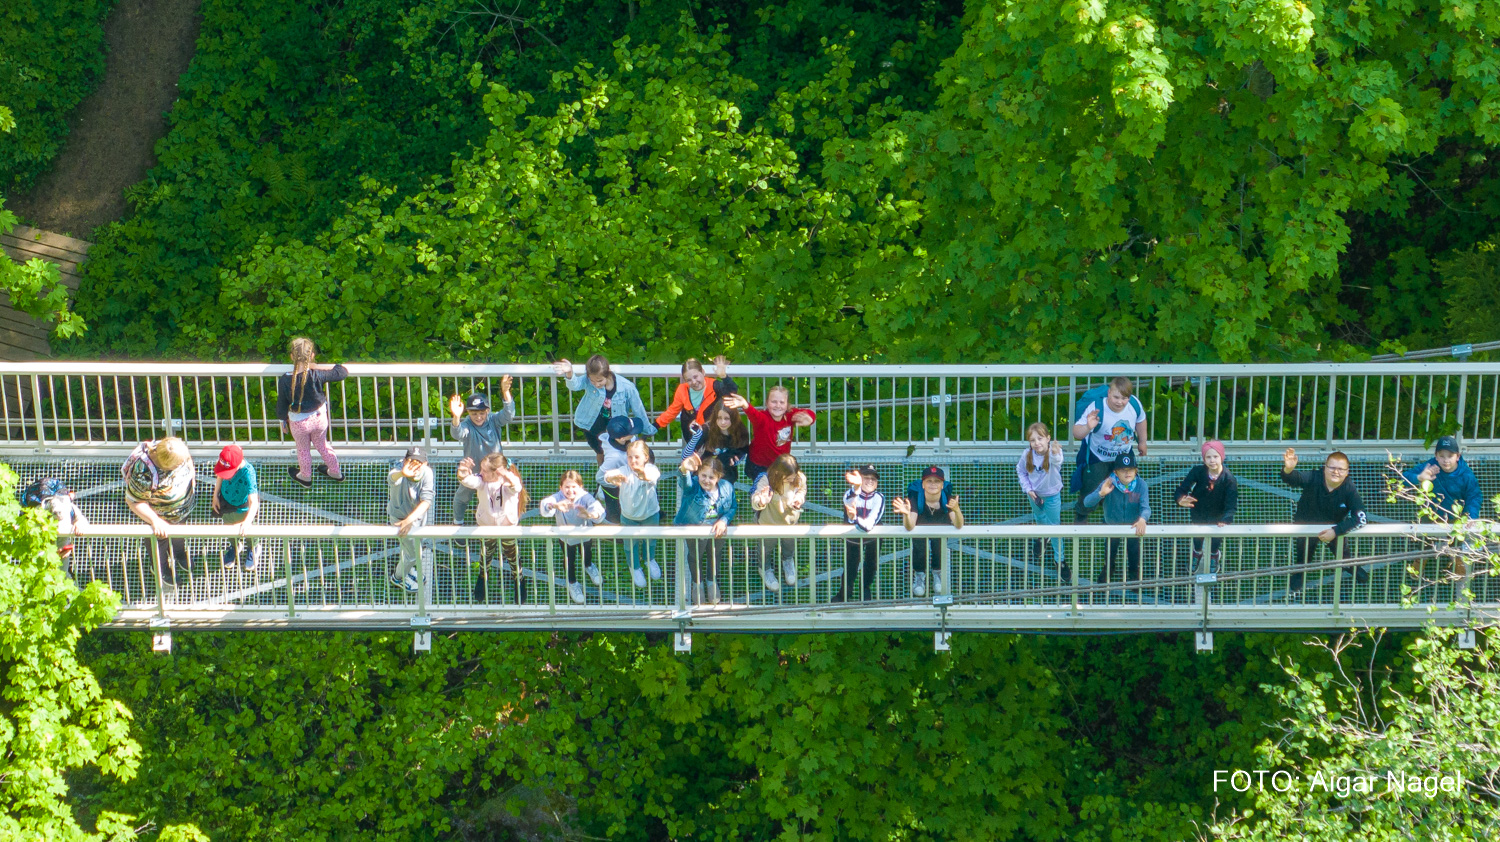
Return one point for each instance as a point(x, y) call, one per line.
point(721, 432)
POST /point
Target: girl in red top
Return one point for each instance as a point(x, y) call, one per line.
point(771, 429)
point(695, 394)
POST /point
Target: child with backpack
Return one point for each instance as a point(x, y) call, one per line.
point(639, 506)
point(704, 497)
point(572, 506)
point(696, 393)
point(779, 495)
point(772, 427)
point(929, 501)
point(502, 499)
point(1109, 420)
point(605, 396)
point(236, 500)
point(480, 434)
point(54, 496)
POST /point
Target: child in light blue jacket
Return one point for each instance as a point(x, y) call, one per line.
point(605, 396)
point(705, 497)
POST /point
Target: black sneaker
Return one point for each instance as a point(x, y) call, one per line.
point(323, 469)
point(292, 472)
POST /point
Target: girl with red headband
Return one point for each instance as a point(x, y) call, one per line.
point(1211, 494)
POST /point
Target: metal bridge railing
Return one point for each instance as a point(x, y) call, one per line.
point(104, 408)
point(993, 578)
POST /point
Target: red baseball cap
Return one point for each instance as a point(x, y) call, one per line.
point(230, 460)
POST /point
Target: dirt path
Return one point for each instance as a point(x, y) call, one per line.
point(113, 132)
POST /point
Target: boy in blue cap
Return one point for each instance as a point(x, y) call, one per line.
point(480, 434)
point(1454, 488)
point(1126, 499)
point(1453, 483)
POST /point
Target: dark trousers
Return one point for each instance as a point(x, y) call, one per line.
point(1093, 477)
point(861, 558)
point(1132, 558)
point(171, 553)
point(753, 471)
point(609, 495)
point(922, 549)
point(571, 554)
point(491, 552)
point(1304, 550)
point(711, 550)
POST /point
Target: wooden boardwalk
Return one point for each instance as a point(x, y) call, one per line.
point(22, 337)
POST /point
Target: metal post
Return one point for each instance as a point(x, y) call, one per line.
point(291, 600)
point(551, 571)
point(682, 575)
point(166, 404)
point(161, 599)
point(36, 411)
point(1077, 563)
point(1202, 410)
point(942, 402)
point(1333, 380)
point(1338, 574)
point(426, 420)
point(1463, 397)
point(556, 436)
point(812, 403)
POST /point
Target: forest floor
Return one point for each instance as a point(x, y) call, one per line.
point(113, 133)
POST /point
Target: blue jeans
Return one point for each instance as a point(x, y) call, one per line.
point(641, 550)
point(1049, 513)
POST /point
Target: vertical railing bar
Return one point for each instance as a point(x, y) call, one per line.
point(1332, 407)
point(1463, 396)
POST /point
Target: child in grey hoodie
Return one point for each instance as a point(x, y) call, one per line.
point(1126, 499)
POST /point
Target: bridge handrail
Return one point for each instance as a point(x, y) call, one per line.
point(771, 369)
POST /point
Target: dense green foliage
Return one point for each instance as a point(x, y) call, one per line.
point(809, 180)
point(51, 56)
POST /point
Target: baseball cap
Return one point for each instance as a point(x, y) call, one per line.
point(619, 427)
point(417, 453)
point(868, 471)
point(1125, 460)
point(931, 471)
point(230, 460)
point(477, 401)
point(1448, 443)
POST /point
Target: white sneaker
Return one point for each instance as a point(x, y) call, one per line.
point(939, 582)
point(638, 577)
point(654, 569)
point(768, 576)
point(919, 584)
point(594, 575)
point(575, 592)
point(711, 593)
point(410, 582)
point(789, 571)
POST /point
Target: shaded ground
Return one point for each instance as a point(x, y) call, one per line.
point(113, 132)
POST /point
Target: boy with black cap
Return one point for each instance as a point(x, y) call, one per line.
point(1126, 499)
point(1327, 497)
point(411, 492)
point(863, 507)
point(480, 434)
point(618, 433)
point(929, 501)
point(236, 500)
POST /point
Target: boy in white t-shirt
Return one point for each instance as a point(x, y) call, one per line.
point(1108, 428)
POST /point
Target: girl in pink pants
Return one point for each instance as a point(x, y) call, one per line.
point(303, 409)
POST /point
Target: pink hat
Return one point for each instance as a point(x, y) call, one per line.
point(1214, 444)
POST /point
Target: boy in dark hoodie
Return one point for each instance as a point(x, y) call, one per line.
point(1327, 497)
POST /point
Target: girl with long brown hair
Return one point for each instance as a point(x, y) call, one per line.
point(303, 410)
